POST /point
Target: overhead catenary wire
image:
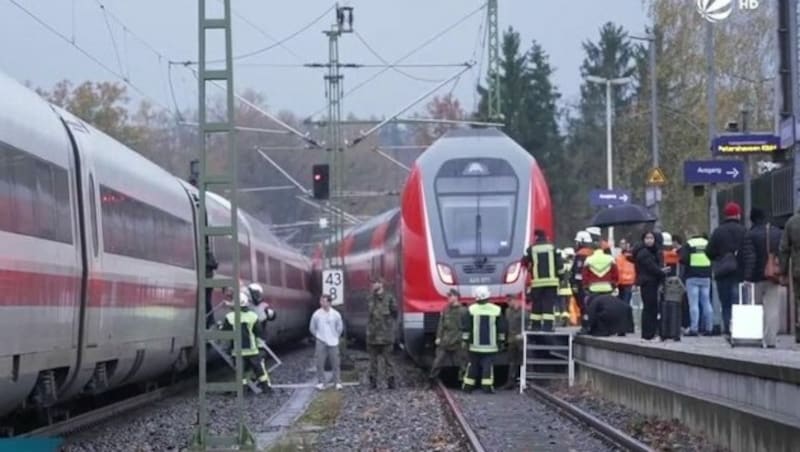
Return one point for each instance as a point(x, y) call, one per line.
point(406, 56)
point(89, 55)
point(389, 65)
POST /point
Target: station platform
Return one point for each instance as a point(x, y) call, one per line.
point(742, 398)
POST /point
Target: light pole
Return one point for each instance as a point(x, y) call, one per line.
point(609, 159)
point(651, 39)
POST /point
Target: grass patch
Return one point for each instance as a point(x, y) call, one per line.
point(324, 410)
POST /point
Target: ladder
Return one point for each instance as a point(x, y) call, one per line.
point(226, 235)
point(551, 350)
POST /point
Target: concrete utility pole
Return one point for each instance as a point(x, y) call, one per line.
point(711, 102)
point(651, 39)
point(609, 152)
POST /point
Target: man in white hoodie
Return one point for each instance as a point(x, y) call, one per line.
point(326, 326)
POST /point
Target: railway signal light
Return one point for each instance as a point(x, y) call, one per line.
point(321, 181)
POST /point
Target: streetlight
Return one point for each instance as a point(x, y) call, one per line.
point(651, 48)
point(609, 162)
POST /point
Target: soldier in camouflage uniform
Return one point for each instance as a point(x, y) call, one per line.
point(514, 315)
point(449, 348)
point(790, 250)
point(380, 333)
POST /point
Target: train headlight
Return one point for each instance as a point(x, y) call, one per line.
point(512, 272)
point(445, 274)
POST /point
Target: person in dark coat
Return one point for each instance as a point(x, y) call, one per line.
point(724, 251)
point(608, 316)
point(754, 258)
point(649, 275)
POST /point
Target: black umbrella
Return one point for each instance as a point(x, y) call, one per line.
point(626, 214)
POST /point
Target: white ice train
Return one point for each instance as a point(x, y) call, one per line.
point(98, 270)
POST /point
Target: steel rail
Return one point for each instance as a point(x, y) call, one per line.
point(474, 443)
point(108, 412)
point(612, 434)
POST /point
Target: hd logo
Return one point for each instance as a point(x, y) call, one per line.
point(717, 10)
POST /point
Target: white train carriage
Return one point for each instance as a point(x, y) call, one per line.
point(98, 275)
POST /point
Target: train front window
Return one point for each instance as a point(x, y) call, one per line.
point(471, 230)
point(477, 201)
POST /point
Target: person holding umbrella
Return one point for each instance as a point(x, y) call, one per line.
point(649, 275)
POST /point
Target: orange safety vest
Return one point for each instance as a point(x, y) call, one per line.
point(627, 270)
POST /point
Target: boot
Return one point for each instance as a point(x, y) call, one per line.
point(390, 383)
point(372, 383)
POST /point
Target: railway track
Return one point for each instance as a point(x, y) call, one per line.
point(107, 412)
point(601, 429)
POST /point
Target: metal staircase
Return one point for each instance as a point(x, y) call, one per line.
point(547, 356)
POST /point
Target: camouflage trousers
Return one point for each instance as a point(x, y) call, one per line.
point(449, 357)
point(380, 352)
point(796, 289)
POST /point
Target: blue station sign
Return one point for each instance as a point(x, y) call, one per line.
point(741, 144)
point(699, 172)
point(604, 198)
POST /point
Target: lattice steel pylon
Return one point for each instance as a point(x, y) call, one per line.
point(495, 106)
point(226, 180)
point(335, 139)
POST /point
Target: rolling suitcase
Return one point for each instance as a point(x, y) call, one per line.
point(747, 318)
point(670, 310)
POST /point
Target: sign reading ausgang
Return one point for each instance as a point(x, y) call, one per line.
point(756, 143)
point(699, 172)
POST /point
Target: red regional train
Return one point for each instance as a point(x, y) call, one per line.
point(98, 274)
point(468, 211)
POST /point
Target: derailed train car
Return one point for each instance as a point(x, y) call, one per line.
point(98, 275)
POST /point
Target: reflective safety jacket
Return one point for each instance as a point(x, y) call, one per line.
point(694, 258)
point(249, 330)
point(627, 269)
point(672, 260)
point(483, 327)
point(543, 263)
point(600, 273)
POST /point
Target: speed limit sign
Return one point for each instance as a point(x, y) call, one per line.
point(333, 285)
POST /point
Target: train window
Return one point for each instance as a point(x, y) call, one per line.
point(93, 214)
point(261, 267)
point(275, 273)
point(294, 278)
point(245, 271)
point(136, 229)
point(35, 196)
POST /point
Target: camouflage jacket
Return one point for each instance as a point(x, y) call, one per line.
point(449, 331)
point(381, 319)
point(790, 246)
point(514, 322)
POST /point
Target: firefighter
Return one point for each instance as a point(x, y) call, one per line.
point(583, 242)
point(600, 277)
point(264, 311)
point(515, 315)
point(252, 359)
point(483, 329)
point(544, 267)
point(564, 287)
point(449, 350)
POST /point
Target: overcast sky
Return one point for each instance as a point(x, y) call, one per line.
point(392, 27)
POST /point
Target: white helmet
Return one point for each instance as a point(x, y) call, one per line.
point(594, 230)
point(244, 299)
point(482, 293)
point(256, 291)
point(583, 237)
point(568, 253)
point(666, 238)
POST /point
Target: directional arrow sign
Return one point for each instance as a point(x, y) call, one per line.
point(609, 197)
point(751, 143)
point(698, 172)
